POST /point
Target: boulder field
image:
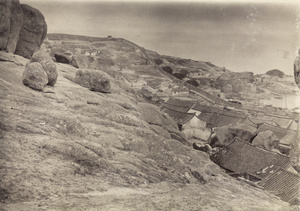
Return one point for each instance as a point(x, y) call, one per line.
point(69, 148)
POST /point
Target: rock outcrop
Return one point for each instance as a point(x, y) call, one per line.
point(22, 28)
point(48, 64)
point(33, 32)
point(34, 76)
point(225, 135)
point(153, 116)
point(11, 20)
point(95, 80)
point(266, 139)
point(66, 58)
point(297, 69)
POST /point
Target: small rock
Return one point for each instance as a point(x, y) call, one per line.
point(34, 76)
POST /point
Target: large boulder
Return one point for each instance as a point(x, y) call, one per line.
point(266, 139)
point(95, 80)
point(16, 22)
point(48, 64)
point(34, 76)
point(66, 58)
point(11, 16)
point(5, 13)
point(32, 33)
point(297, 69)
point(225, 135)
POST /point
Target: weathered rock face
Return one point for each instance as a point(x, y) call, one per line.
point(11, 16)
point(48, 64)
point(297, 69)
point(5, 13)
point(266, 139)
point(225, 135)
point(32, 33)
point(95, 80)
point(153, 116)
point(34, 76)
point(22, 28)
point(16, 22)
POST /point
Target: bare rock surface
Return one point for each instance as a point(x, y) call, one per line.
point(73, 149)
point(34, 76)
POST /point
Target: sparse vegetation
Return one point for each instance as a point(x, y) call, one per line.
point(158, 61)
point(168, 69)
point(179, 75)
point(193, 82)
point(185, 72)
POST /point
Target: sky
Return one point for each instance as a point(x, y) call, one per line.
point(240, 35)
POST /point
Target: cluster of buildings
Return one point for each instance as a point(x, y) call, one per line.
point(269, 170)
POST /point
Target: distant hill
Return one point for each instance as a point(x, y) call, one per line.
point(275, 72)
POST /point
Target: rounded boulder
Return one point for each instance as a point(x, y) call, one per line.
point(48, 64)
point(95, 80)
point(32, 33)
point(34, 76)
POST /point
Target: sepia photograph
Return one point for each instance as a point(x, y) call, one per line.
point(146, 105)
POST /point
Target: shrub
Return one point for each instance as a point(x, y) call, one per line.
point(179, 75)
point(158, 61)
point(185, 72)
point(168, 69)
point(193, 82)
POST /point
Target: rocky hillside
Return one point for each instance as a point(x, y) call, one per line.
point(157, 77)
point(69, 148)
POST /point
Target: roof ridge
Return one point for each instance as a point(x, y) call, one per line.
point(257, 147)
point(180, 111)
point(285, 129)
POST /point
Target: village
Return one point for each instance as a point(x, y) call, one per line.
point(260, 164)
point(251, 142)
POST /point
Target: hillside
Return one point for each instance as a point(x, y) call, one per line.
point(159, 76)
point(68, 148)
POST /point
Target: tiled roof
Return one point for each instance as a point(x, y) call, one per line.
point(225, 118)
point(205, 108)
point(243, 157)
point(284, 184)
point(176, 108)
point(289, 138)
point(204, 116)
point(179, 117)
point(278, 131)
point(180, 103)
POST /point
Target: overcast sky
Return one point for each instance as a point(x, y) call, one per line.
point(241, 36)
